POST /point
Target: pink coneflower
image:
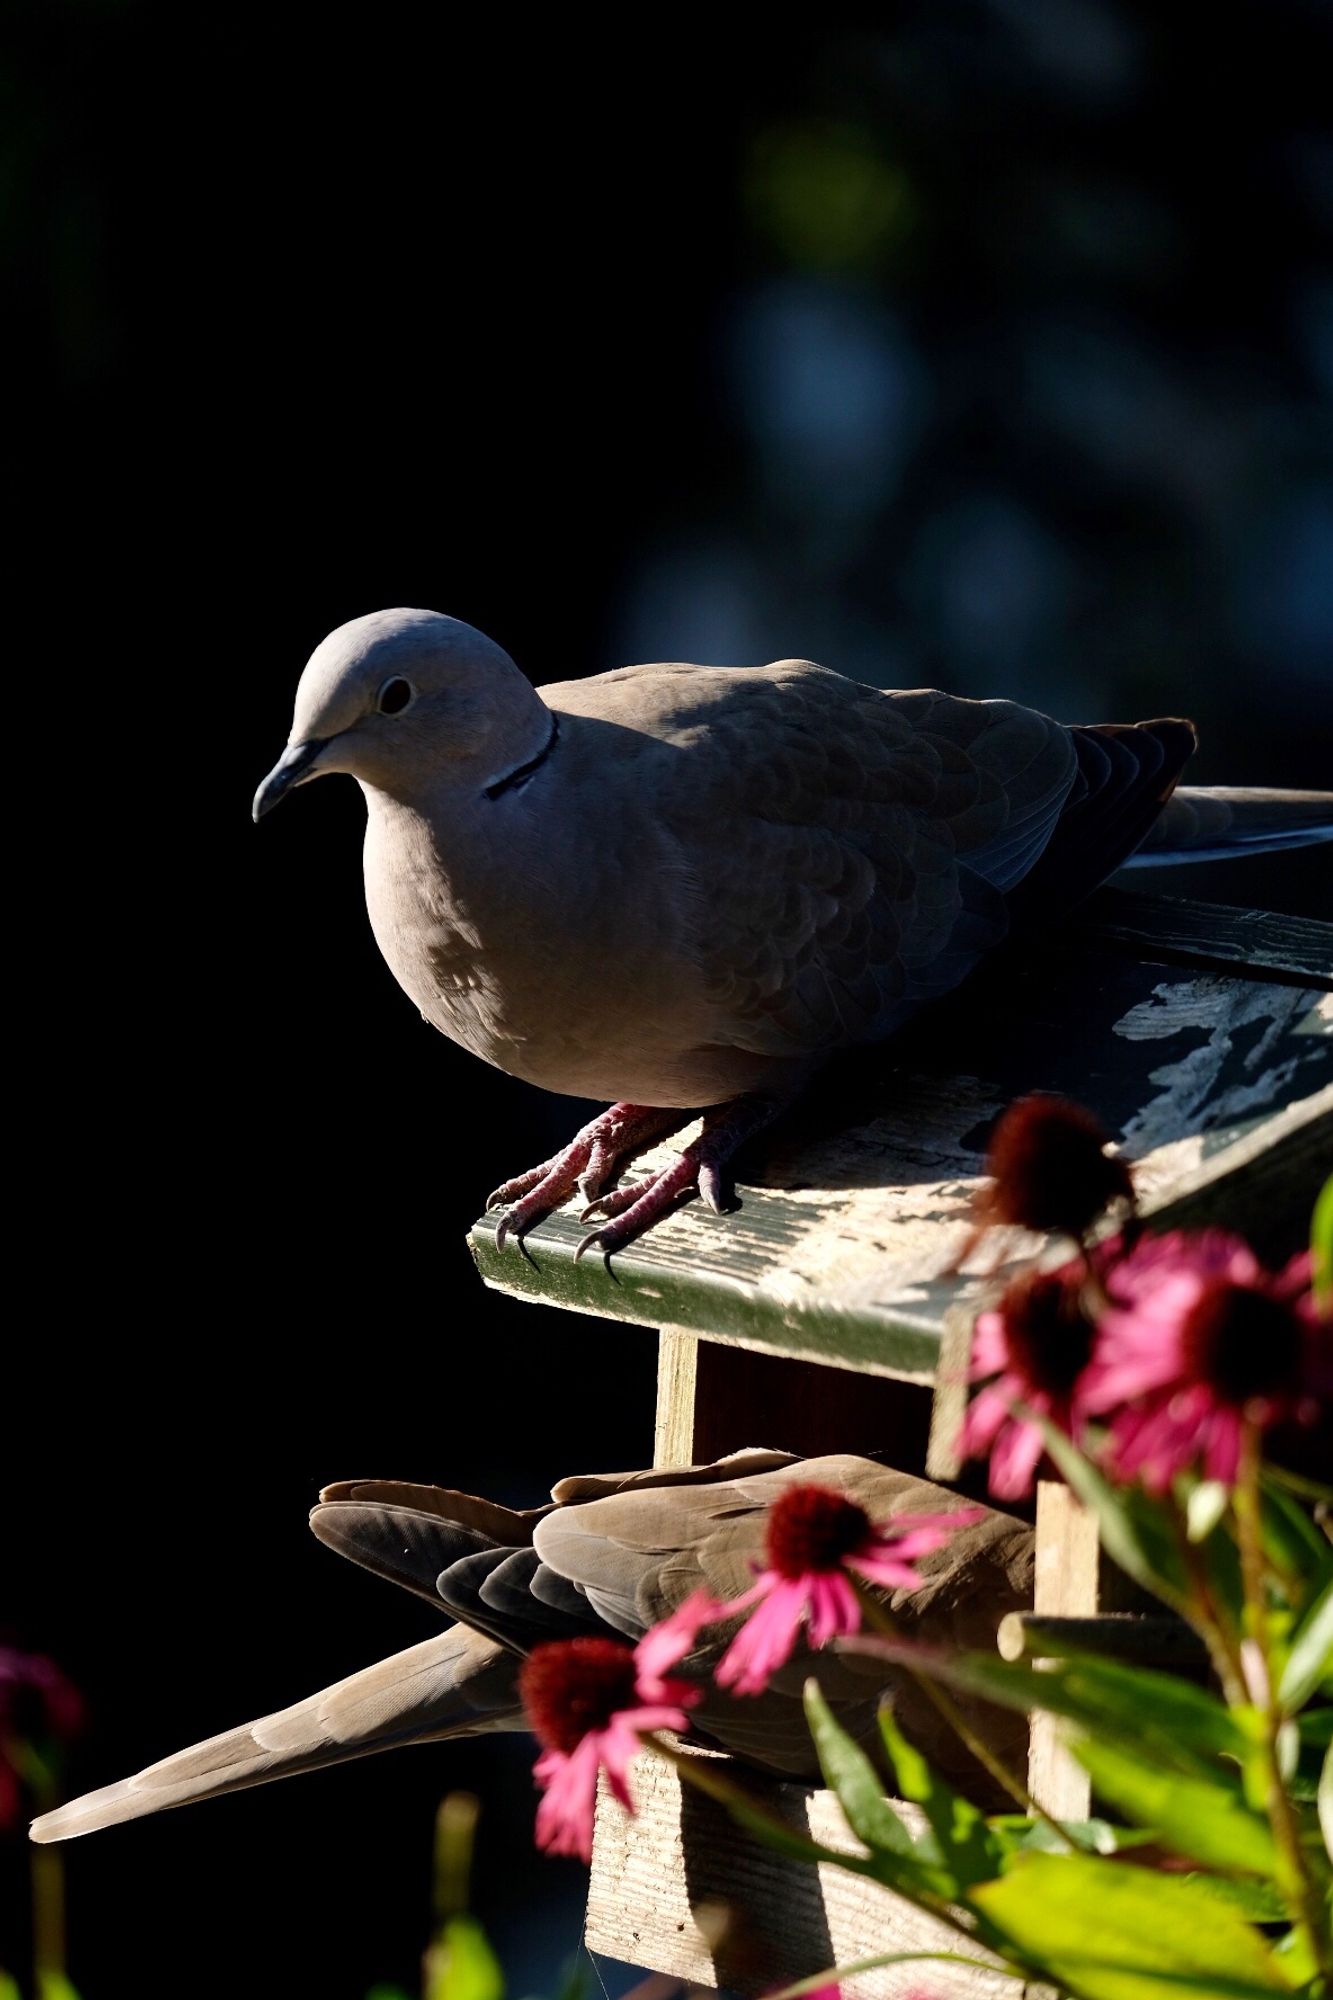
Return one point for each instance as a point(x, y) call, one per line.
point(817, 1541)
point(1030, 1350)
point(36, 1700)
point(1197, 1340)
point(589, 1705)
point(1049, 1168)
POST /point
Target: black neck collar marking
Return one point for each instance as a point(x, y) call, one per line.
point(514, 780)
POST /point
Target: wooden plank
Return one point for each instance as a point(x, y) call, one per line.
point(1257, 944)
point(1143, 1638)
point(1263, 1185)
point(680, 1889)
point(950, 1398)
point(1064, 1586)
point(677, 1374)
point(854, 1208)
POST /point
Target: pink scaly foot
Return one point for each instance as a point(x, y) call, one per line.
point(698, 1171)
point(587, 1163)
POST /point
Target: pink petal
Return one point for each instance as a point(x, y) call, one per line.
point(1144, 1436)
point(886, 1570)
point(669, 1641)
point(565, 1815)
point(1014, 1460)
point(1222, 1453)
point(985, 1414)
point(911, 1535)
point(990, 1348)
point(1112, 1379)
point(654, 1715)
point(617, 1747)
point(1295, 1276)
point(833, 1608)
point(1167, 1437)
point(766, 1640)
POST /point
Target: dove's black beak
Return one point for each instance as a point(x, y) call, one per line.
point(292, 768)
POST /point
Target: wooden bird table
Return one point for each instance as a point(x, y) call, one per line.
point(825, 1314)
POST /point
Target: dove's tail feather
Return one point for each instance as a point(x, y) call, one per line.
point(456, 1684)
point(1124, 774)
point(1221, 822)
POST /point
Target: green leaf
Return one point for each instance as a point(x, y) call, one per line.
point(54, 1986)
point(1019, 1833)
point(850, 1773)
point(967, 1849)
point(1315, 1727)
point(1106, 1932)
point(460, 1965)
point(9, 1987)
point(1310, 1660)
point(915, 1778)
point(1205, 1819)
point(1259, 1901)
point(1133, 1534)
point(1295, 1954)
point(573, 1984)
point(1292, 1539)
point(1321, 1246)
point(1182, 1724)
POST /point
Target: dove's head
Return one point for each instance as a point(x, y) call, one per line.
point(408, 702)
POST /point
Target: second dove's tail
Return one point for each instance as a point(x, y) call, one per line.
point(1221, 822)
point(456, 1684)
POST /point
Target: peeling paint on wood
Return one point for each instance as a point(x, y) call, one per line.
point(854, 1209)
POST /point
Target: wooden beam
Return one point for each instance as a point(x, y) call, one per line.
point(1142, 1638)
point(677, 1377)
point(1256, 944)
point(680, 1889)
point(1065, 1586)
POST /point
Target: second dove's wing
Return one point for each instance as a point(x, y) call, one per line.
point(637, 1554)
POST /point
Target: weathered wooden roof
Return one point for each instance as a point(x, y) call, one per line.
point(1202, 1036)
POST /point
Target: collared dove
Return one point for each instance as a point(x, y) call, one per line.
point(681, 887)
point(614, 1554)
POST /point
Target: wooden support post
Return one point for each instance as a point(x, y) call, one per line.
point(681, 1889)
point(677, 1376)
point(1065, 1586)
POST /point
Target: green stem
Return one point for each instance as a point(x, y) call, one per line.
point(47, 1875)
point(947, 1708)
point(1295, 1880)
point(1208, 1620)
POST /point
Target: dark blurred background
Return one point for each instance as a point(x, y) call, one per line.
point(990, 346)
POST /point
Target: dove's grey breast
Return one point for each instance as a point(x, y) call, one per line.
point(716, 875)
point(549, 930)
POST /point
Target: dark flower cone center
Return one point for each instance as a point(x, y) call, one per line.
point(1048, 1169)
point(574, 1685)
point(1048, 1334)
point(1242, 1343)
point(811, 1528)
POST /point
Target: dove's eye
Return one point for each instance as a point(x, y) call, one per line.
point(394, 696)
